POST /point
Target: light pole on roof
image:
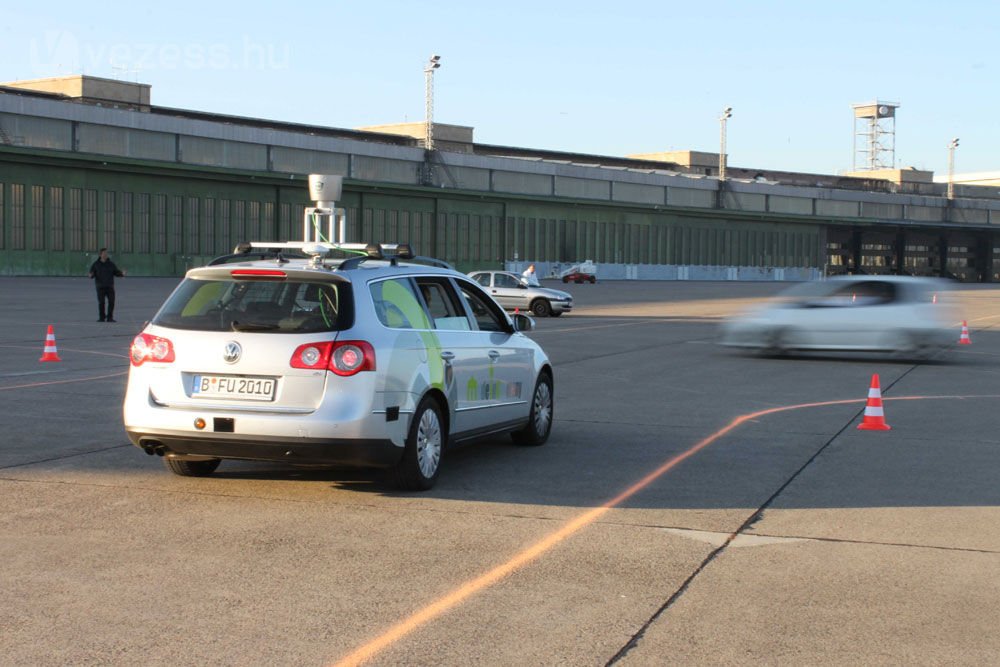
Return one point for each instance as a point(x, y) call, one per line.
point(432, 64)
point(727, 113)
point(952, 145)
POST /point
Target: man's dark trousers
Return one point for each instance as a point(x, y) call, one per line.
point(109, 294)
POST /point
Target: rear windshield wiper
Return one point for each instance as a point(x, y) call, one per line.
point(237, 326)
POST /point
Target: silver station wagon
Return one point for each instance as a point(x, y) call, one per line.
point(370, 361)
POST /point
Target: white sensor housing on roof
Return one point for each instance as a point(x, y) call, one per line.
point(325, 189)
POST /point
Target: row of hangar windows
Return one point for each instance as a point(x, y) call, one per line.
point(76, 219)
point(72, 219)
point(955, 254)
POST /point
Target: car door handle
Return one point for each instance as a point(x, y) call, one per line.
point(493, 355)
point(448, 356)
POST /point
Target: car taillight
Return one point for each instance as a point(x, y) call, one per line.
point(314, 355)
point(146, 347)
point(352, 356)
point(344, 358)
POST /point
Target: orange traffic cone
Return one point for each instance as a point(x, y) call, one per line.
point(964, 338)
point(50, 353)
point(874, 418)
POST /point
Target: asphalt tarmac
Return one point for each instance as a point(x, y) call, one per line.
point(693, 506)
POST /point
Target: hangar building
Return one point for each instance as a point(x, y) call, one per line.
point(87, 162)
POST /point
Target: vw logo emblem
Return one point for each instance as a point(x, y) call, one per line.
point(232, 352)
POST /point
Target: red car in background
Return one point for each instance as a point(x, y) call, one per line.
point(579, 277)
point(580, 273)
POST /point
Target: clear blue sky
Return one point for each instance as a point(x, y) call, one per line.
point(610, 78)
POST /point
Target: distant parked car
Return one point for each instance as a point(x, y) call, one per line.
point(585, 272)
point(512, 292)
point(578, 278)
point(897, 314)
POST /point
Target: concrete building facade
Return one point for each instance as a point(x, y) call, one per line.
point(91, 164)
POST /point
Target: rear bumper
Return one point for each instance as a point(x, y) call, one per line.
point(353, 452)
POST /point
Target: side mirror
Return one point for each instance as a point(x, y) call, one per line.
point(522, 322)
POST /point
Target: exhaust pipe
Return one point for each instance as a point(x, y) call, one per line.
point(154, 448)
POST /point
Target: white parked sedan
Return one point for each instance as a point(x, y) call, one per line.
point(897, 314)
point(514, 293)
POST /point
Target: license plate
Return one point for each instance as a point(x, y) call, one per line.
point(229, 386)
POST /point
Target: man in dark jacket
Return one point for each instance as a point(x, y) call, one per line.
point(103, 271)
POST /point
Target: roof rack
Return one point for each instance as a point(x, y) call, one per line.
point(317, 250)
point(431, 261)
point(244, 253)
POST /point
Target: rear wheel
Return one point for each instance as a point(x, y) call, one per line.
point(418, 469)
point(776, 344)
point(917, 347)
point(540, 418)
point(191, 468)
point(541, 308)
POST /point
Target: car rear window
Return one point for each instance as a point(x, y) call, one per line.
point(279, 306)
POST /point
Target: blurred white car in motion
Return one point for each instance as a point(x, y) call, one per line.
point(906, 316)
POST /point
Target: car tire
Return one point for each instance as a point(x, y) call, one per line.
point(421, 462)
point(540, 418)
point(776, 344)
point(541, 308)
point(917, 348)
point(565, 279)
point(191, 468)
point(593, 280)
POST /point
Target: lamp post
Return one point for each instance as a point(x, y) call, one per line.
point(432, 64)
point(952, 145)
point(727, 113)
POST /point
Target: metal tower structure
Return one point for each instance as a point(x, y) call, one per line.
point(874, 135)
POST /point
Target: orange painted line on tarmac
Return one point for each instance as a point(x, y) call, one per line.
point(105, 354)
point(46, 384)
point(70, 349)
point(574, 329)
point(468, 589)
